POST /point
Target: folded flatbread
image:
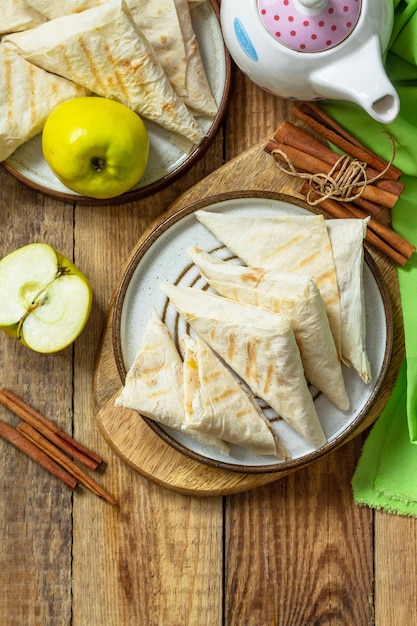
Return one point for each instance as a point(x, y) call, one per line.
point(23, 105)
point(299, 244)
point(104, 51)
point(216, 403)
point(160, 25)
point(157, 20)
point(59, 8)
point(294, 295)
point(154, 383)
point(346, 236)
point(198, 94)
point(17, 15)
point(260, 347)
point(168, 27)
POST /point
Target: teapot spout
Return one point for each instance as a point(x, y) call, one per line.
point(360, 77)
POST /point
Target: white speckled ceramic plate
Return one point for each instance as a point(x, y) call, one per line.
point(162, 257)
point(166, 161)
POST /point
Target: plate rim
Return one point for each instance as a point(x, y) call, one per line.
point(145, 243)
point(164, 181)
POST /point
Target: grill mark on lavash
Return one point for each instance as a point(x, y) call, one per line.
point(275, 250)
point(90, 63)
point(252, 368)
point(159, 393)
point(114, 62)
point(231, 349)
point(226, 394)
point(32, 88)
point(306, 262)
point(9, 87)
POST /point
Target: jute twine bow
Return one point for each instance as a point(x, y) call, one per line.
point(345, 182)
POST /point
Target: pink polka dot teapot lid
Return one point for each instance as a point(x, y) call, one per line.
point(309, 25)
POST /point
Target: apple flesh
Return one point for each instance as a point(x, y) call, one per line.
point(45, 301)
point(95, 146)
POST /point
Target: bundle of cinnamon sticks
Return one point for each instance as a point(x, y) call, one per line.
point(44, 442)
point(308, 157)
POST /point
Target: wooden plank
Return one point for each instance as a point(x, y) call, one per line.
point(299, 551)
point(35, 508)
point(396, 569)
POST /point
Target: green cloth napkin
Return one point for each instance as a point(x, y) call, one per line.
point(386, 475)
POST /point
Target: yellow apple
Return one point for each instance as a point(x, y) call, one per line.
point(95, 146)
point(45, 301)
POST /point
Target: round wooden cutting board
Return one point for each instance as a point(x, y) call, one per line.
point(124, 430)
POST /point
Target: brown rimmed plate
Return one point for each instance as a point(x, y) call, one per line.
point(162, 256)
point(166, 162)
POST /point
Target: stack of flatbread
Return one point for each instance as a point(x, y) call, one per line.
point(198, 395)
point(142, 54)
point(298, 298)
point(329, 250)
point(260, 347)
point(265, 330)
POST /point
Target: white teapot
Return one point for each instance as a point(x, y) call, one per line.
point(315, 49)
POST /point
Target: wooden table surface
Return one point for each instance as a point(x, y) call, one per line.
point(295, 552)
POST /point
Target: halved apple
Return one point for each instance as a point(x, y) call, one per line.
point(45, 301)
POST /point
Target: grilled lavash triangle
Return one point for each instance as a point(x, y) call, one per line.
point(346, 236)
point(198, 94)
point(294, 295)
point(154, 383)
point(216, 403)
point(23, 105)
point(260, 347)
point(59, 8)
point(17, 15)
point(157, 20)
point(160, 25)
point(168, 27)
point(291, 243)
point(103, 50)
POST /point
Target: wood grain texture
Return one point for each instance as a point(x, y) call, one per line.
point(312, 575)
point(35, 509)
point(296, 552)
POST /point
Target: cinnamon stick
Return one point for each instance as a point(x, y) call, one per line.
point(313, 165)
point(59, 457)
point(11, 435)
point(288, 133)
point(381, 237)
point(51, 431)
point(316, 119)
point(310, 162)
point(372, 208)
